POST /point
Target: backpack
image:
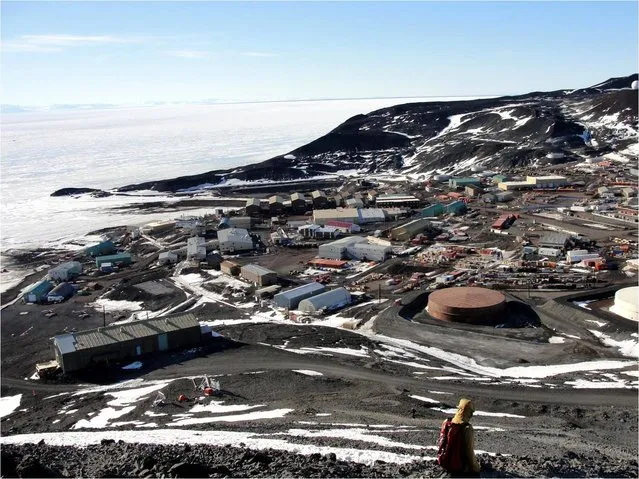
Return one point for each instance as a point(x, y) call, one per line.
point(450, 446)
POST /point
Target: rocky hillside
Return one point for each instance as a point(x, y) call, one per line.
point(453, 137)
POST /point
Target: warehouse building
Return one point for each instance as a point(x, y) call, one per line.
point(553, 239)
point(291, 299)
point(234, 240)
point(350, 215)
point(433, 210)
point(240, 222)
point(37, 292)
point(60, 293)
point(115, 343)
point(409, 201)
point(115, 259)
point(551, 181)
point(100, 249)
point(368, 251)
point(456, 207)
point(327, 301)
point(463, 182)
point(156, 227)
point(195, 248)
point(65, 271)
point(320, 201)
point(504, 196)
point(338, 249)
point(258, 275)
point(410, 229)
point(229, 267)
point(515, 185)
point(253, 207)
point(372, 215)
point(298, 203)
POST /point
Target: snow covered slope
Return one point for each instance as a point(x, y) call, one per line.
point(452, 137)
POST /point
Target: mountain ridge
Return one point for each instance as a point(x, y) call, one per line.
point(452, 137)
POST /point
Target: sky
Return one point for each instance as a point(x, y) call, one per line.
point(138, 52)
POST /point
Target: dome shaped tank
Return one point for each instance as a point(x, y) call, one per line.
point(634, 85)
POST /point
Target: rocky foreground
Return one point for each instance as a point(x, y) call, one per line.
point(119, 459)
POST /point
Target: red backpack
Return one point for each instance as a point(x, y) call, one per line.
point(450, 446)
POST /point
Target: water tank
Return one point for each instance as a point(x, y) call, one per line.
point(555, 156)
point(634, 85)
point(476, 168)
point(441, 178)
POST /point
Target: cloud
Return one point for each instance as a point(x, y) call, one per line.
point(192, 54)
point(257, 54)
point(57, 42)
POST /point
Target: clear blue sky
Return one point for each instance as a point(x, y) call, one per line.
point(135, 52)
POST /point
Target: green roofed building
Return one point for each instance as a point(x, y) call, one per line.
point(115, 259)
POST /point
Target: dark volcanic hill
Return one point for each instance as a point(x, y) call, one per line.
point(452, 137)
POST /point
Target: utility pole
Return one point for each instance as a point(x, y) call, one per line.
point(103, 315)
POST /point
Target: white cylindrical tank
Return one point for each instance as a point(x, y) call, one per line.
point(634, 85)
point(627, 303)
point(555, 156)
point(441, 178)
point(476, 168)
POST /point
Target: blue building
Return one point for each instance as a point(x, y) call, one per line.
point(37, 292)
point(100, 249)
point(291, 299)
point(456, 207)
point(433, 210)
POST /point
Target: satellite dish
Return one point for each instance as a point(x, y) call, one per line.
point(634, 85)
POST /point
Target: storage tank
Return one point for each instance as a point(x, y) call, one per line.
point(467, 305)
point(441, 178)
point(634, 85)
point(476, 168)
point(627, 303)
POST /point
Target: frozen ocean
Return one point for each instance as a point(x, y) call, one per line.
point(45, 151)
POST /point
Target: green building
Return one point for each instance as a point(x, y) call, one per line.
point(114, 259)
point(463, 182)
point(499, 179)
point(433, 210)
point(100, 249)
point(37, 292)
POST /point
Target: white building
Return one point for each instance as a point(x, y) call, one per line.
point(195, 248)
point(333, 299)
point(234, 240)
point(65, 271)
point(167, 257)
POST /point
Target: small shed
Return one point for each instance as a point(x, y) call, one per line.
point(65, 271)
point(253, 207)
point(329, 300)
point(229, 267)
point(267, 291)
point(60, 293)
point(275, 205)
point(298, 202)
point(258, 275)
point(319, 200)
point(167, 257)
point(291, 299)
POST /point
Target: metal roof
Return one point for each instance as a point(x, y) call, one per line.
point(118, 333)
point(257, 269)
point(233, 234)
point(302, 290)
point(554, 238)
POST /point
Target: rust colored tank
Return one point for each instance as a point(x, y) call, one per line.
point(467, 305)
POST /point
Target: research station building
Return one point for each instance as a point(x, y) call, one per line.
point(118, 342)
